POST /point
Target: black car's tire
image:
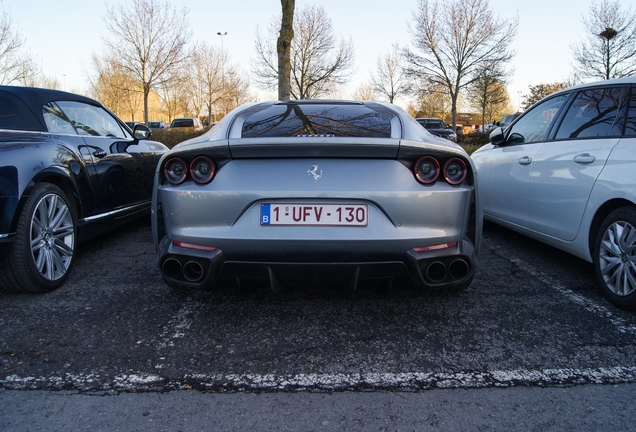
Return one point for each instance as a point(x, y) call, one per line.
point(42, 254)
point(615, 257)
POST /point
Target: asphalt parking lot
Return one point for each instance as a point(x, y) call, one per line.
point(532, 324)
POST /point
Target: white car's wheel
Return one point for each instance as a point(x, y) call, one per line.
point(615, 257)
point(42, 254)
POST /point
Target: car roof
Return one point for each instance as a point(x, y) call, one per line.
point(34, 98)
point(615, 81)
point(409, 129)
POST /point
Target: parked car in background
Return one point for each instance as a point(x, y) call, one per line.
point(485, 128)
point(346, 190)
point(132, 124)
point(438, 127)
point(564, 173)
point(186, 123)
point(157, 125)
point(69, 169)
point(506, 120)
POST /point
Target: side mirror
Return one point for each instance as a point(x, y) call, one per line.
point(142, 132)
point(497, 136)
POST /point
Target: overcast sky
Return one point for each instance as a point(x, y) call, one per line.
point(62, 34)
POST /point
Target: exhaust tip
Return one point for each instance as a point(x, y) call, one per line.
point(171, 268)
point(436, 271)
point(458, 269)
point(193, 271)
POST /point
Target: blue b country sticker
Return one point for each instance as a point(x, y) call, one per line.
point(265, 214)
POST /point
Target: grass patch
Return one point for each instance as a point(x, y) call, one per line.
point(472, 141)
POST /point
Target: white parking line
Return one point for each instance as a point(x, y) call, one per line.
point(177, 326)
point(588, 304)
point(175, 329)
point(413, 381)
point(409, 381)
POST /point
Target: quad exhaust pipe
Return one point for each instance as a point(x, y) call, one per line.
point(171, 268)
point(437, 271)
point(192, 271)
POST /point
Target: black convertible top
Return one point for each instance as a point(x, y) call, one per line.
point(21, 107)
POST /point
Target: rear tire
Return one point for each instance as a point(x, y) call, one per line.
point(615, 257)
point(42, 254)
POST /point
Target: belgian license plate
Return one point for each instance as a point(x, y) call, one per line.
point(315, 214)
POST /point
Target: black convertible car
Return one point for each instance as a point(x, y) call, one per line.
point(69, 169)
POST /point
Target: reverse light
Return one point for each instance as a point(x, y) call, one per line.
point(426, 170)
point(435, 247)
point(202, 170)
point(455, 171)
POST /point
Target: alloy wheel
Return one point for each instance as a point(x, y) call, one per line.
point(617, 258)
point(52, 237)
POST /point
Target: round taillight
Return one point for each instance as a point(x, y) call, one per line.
point(175, 171)
point(202, 170)
point(426, 170)
point(455, 171)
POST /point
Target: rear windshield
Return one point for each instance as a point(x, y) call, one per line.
point(182, 123)
point(298, 120)
point(432, 124)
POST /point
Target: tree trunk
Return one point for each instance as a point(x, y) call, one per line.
point(283, 48)
point(146, 94)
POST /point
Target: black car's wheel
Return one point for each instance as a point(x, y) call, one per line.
point(615, 257)
point(42, 254)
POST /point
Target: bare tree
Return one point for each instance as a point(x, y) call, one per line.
point(195, 85)
point(454, 40)
point(15, 66)
point(432, 101)
point(389, 79)
point(114, 87)
point(610, 49)
point(283, 48)
point(319, 61)
point(488, 93)
point(50, 83)
point(172, 93)
point(28, 72)
point(149, 39)
point(207, 68)
point(539, 91)
point(237, 89)
point(365, 92)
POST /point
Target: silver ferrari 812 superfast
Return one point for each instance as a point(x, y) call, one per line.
point(290, 191)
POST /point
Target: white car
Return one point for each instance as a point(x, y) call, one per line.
point(564, 173)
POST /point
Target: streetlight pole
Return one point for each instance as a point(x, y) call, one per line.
point(222, 34)
point(607, 34)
